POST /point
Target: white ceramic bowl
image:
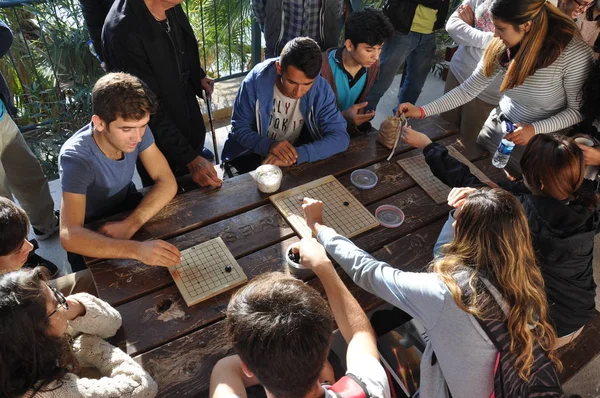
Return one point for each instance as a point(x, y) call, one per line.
point(268, 178)
point(291, 263)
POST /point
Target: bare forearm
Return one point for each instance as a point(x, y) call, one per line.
point(227, 378)
point(349, 316)
point(86, 242)
point(154, 201)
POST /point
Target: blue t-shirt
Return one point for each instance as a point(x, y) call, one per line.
point(85, 169)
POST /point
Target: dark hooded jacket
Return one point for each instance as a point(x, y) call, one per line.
point(563, 239)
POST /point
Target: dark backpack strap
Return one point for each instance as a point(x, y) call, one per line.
point(350, 386)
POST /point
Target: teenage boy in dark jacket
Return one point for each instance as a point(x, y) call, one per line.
point(154, 41)
point(352, 70)
point(414, 42)
point(285, 113)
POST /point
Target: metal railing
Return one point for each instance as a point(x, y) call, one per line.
point(50, 69)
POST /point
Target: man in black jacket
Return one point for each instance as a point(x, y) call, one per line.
point(153, 40)
point(415, 22)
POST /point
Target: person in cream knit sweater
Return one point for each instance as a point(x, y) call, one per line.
point(48, 340)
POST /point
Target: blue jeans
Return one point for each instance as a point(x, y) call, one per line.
point(446, 236)
point(418, 50)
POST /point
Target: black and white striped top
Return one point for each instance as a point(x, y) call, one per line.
point(549, 99)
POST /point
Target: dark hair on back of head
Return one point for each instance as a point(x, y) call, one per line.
point(29, 358)
point(281, 329)
point(303, 53)
point(122, 95)
point(14, 226)
point(553, 166)
point(369, 26)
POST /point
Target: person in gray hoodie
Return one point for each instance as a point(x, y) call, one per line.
point(492, 251)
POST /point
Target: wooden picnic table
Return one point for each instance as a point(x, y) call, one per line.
point(178, 345)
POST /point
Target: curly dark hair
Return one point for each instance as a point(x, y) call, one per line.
point(369, 26)
point(29, 358)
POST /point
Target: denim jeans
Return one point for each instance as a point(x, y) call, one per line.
point(446, 236)
point(418, 50)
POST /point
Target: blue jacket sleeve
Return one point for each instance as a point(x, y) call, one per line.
point(332, 125)
point(447, 169)
point(244, 128)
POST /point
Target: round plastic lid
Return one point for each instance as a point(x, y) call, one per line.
point(389, 216)
point(363, 179)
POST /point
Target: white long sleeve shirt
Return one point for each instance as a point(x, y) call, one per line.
point(472, 41)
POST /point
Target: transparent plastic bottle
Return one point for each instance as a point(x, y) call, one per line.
point(505, 148)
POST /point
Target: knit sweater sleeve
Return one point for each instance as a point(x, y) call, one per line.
point(421, 295)
point(100, 318)
point(577, 60)
point(122, 376)
point(462, 94)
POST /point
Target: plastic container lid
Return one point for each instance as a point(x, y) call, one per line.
point(389, 216)
point(363, 179)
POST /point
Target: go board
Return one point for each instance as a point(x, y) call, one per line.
point(342, 212)
point(206, 270)
point(419, 171)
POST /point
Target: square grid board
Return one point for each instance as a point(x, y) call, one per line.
point(418, 169)
point(202, 275)
point(348, 221)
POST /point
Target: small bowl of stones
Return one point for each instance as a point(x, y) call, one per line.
point(293, 257)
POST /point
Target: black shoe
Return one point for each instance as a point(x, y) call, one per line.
point(43, 235)
point(207, 154)
point(37, 261)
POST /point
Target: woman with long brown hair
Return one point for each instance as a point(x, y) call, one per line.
point(563, 219)
point(490, 261)
point(544, 63)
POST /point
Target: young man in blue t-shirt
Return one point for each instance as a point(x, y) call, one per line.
point(96, 167)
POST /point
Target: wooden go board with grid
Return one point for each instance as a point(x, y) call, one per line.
point(342, 212)
point(419, 170)
point(206, 270)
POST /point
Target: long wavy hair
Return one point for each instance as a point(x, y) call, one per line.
point(29, 358)
point(492, 240)
point(553, 166)
point(551, 31)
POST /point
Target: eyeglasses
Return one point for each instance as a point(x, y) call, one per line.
point(583, 5)
point(60, 298)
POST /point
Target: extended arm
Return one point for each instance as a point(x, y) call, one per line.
point(228, 379)
point(76, 238)
point(349, 316)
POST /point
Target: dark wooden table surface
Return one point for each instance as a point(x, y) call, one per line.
point(178, 345)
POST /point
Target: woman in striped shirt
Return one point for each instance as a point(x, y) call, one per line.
point(544, 62)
